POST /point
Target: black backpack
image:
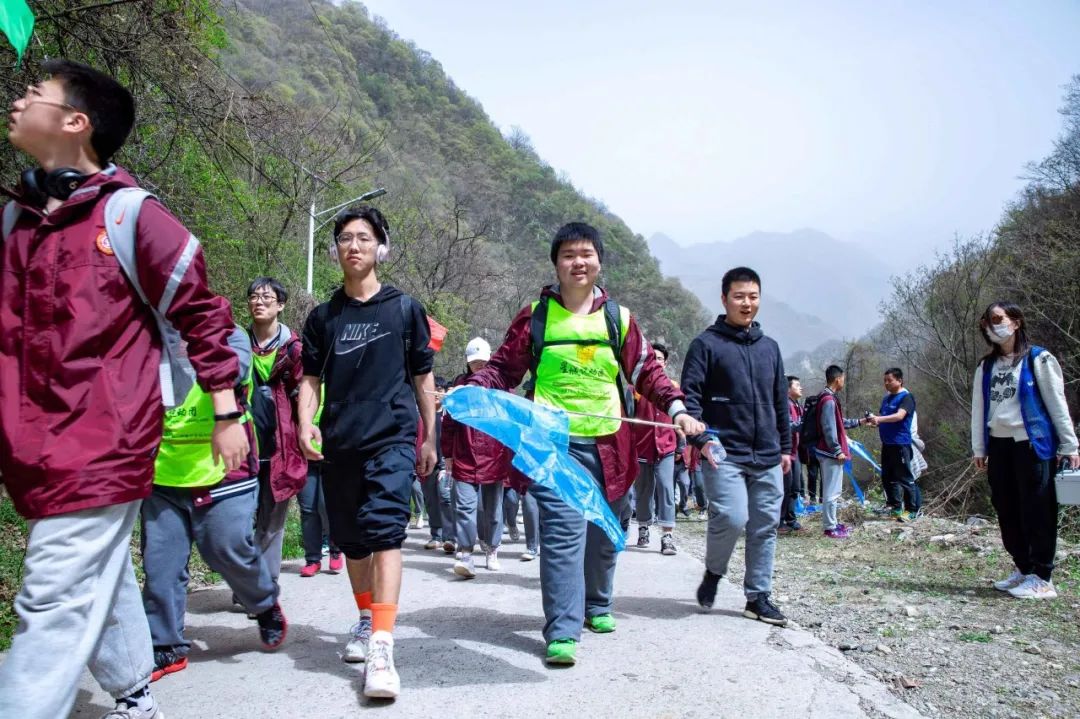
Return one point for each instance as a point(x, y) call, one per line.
point(810, 432)
point(537, 327)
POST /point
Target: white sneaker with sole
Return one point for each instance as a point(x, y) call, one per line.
point(357, 648)
point(1013, 580)
point(381, 680)
point(465, 567)
point(493, 560)
point(528, 556)
point(1033, 587)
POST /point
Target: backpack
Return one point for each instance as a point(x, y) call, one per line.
point(810, 432)
point(538, 325)
point(121, 220)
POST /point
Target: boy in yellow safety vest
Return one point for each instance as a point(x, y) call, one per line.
point(194, 499)
point(587, 354)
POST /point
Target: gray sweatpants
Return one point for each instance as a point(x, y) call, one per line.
point(222, 532)
point(743, 498)
point(270, 519)
point(78, 606)
point(832, 483)
point(656, 480)
point(469, 525)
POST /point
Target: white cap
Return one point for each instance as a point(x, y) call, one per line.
point(477, 350)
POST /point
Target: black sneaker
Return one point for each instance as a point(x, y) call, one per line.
point(272, 627)
point(764, 611)
point(167, 660)
point(643, 536)
point(706, 591)
point(667, 544)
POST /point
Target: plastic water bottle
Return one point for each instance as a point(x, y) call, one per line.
point(714, 447)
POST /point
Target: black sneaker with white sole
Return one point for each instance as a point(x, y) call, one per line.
point(643, 536)
point(761, 609)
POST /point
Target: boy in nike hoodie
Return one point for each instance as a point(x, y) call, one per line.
point(368, 348)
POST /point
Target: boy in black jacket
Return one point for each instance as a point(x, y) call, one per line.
point(734, 381)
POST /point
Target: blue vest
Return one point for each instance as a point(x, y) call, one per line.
point(896, 432)
point(1037, 424)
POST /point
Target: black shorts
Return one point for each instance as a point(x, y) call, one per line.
point(367, 499)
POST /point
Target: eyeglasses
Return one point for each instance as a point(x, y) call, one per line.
point(262, 299)
point(62, 105)
point(346, 238)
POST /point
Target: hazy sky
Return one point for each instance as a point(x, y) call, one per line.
point(871, 121)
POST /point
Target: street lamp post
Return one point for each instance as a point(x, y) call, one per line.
point(313, 214)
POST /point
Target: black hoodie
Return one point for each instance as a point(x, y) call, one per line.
point(734, 381)
point(358, 349)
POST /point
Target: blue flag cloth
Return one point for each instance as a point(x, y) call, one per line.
point(539, 437)
point(857, 449)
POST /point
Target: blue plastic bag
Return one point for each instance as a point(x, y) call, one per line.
point(539, 437)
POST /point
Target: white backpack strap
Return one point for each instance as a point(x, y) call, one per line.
point(11, 216)
point(121, 225)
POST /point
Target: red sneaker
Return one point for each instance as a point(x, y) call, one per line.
point(312, 568)
point(337, 563)
point(167, 661)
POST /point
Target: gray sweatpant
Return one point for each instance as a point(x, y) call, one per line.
point(656, 480)
point(478, 514)
point(78, 606)
point(222, 532)
point(832, 483)
point(743, 498)
point(270, 519)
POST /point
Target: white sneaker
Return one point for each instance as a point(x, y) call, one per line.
point(464, 567)
point(1013, 580)
point(1034, 587)
point(493, 560)
point(357, 648)
point(528, 556)
point(381, 680)
point(420, 522)
point(459, 555)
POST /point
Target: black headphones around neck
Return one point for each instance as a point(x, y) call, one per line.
point(38, 185)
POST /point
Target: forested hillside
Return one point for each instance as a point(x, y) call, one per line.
point(250, 110)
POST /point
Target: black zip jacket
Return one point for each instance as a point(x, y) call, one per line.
point(734, 382)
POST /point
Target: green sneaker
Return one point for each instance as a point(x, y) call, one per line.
point(562, 651)
point(601, 623)
point(899, 515)
point(912, 516)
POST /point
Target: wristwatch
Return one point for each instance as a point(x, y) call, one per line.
point(235, 414)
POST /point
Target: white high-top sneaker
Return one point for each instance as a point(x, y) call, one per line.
point(381, 680)
point(1034, 587)
point(493, 560)
point(465, 567)
point(357, 648)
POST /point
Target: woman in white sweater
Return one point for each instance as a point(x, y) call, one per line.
point(1020, 432)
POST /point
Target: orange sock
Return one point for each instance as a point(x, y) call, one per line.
point(383, 617)
point(363, 601)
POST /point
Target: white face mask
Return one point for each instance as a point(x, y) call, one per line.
point(999, 333)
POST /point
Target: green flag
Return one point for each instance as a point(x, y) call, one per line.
point(17, 22)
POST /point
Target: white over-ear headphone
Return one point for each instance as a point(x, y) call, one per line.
point(382, 252)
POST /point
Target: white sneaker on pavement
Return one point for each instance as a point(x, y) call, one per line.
point(1034, 587)
point(381, 680)
point(528, 556)
point(1013, 580)
point(493, 560)
point(357, 648)
point(465, 567)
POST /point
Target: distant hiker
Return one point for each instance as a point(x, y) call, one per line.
point(530, 513)
point(435, 487)
point(587, 354)
point(655, 483)
point(733, 377)
point(894, 423)
point(194, 500)
point(832, 450)
point(314, 522)
point(1020, 432)
point(368, 346)
point(283, 470)
point(83, 305)
point(789, 521)
point(479, 466)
